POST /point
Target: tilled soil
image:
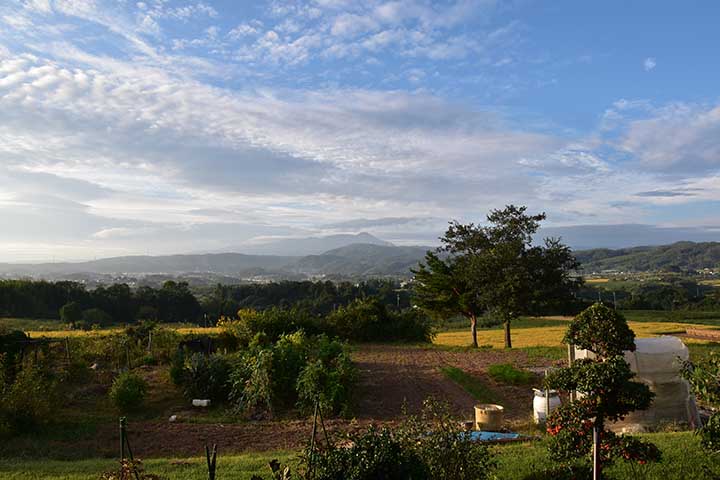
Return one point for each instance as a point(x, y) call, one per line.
point(395, 376)
point(391, 377)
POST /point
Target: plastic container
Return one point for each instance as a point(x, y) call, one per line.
point(489, 417)
point(540, 404)
point(200, 403)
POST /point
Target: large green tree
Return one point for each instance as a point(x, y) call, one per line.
point(496, 269)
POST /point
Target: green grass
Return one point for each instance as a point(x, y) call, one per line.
point(682, 459)
point(31, 324)
point(471, 384)
point(240, 467)
point(676, 316)
point(509, 374)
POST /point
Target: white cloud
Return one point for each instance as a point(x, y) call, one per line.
point(649, 64)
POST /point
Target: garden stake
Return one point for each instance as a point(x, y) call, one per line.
point(125, 443)
point(312, 442)
point(211, 461)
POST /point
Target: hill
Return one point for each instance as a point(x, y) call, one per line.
point(364, 260)
point(679, 256)
point(349, 261)
point(305, 246)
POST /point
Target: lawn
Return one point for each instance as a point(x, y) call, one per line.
point(682, 459)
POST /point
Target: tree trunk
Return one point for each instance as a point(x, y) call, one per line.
point(473, 330)
point(508, 340)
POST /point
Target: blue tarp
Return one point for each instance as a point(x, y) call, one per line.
point(493, 436)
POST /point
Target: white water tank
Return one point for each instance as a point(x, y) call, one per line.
point(540, 404)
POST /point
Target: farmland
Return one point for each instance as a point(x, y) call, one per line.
point(393, 378)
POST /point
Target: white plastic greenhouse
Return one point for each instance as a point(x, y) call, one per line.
point(657, 363)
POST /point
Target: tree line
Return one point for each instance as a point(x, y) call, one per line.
point(72, 303)
point(105, 305)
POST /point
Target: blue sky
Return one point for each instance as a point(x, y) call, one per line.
point(173, 126)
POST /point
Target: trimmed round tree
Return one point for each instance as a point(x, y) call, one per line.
point(606, 393)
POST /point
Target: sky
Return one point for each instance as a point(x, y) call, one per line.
point(162, 127)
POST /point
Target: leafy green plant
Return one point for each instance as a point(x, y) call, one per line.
point(128, 391)
point(507, 373)
point(372, 454)
point(207, 377)
point(445, 448)
point(431, 445)
point(704, 376)
point(25, 400)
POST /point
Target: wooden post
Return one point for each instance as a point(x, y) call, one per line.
point(571, 360)
point(67, 350)
point(547, 402)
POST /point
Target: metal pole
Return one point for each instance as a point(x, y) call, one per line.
point(596, 454)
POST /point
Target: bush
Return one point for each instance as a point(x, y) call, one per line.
point(429, 446)
point(297, 369)
point(128, 391)
point(373, 454)
point(207, 377)
point(276, 322)
point(506, 373)
point(25, 401)
point(95, 316)
point(331, 383)
point(370, 320)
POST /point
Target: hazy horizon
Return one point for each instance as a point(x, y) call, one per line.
point(156, 127)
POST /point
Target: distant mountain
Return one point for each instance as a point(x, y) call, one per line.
point(678, 256)
point(363, 260)
point(224, 263)
point(306, 246)
point(349, 261)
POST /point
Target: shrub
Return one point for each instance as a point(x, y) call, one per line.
point(370, 320)
point(444, 447)
point(275, 322)
point(251, 385)
point(128, 391)
point(429, 446)
point(177, 367)
point(207, 377)
point(25, 401)
point(704, 376)
point(506, 373)
point(95, 316)
point(373, 454)
point(297, 369)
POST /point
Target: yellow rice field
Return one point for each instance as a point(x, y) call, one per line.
point(110, 331)
point(552, 336)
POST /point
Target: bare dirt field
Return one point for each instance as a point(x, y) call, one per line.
point(390, 376)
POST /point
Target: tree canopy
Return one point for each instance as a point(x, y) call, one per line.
point(496, 269)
